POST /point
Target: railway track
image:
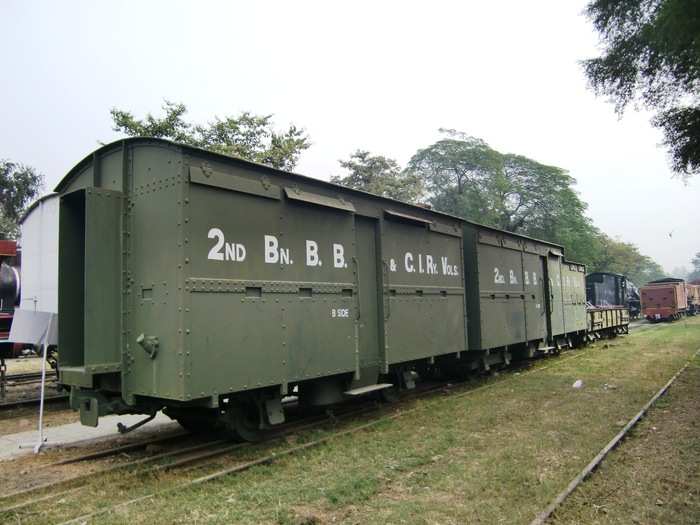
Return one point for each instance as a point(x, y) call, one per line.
point(202, 457)
point(25, 377)
point(588, 470)
point(20, 392)
point(12, 404)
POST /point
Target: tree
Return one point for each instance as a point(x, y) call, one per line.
point(19, 185)
point(466, 177)
point(652, 56)
point(379, 175)
point(621, 257)
point(695, 272)
point(456, 172)
point(246, 136)
point(681, 272)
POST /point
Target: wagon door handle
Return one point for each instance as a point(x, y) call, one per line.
point(357, 284)
point(385, 278)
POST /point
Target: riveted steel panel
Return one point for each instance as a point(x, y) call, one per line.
point(555, 295)
point(90, 293)
point(228, 181)
point(295, 305)
point(535, 303)
point(501, 296)
point(308, 197)
point(574, 296)
point(154, 273)
point(367, 275)
point(423, 292)
point(507, 288)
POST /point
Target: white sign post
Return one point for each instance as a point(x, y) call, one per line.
point(30, 327)
point(41, 440)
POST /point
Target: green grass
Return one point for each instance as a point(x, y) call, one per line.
point(654, 476)
point(488, 455)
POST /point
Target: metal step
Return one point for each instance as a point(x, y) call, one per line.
point(367, 389)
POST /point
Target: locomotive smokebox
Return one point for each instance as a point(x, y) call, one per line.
point(9, 287)
point(9, 276)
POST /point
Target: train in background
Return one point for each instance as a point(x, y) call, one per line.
point(604, 289)
point(9, 299)
point(669, 299)
point(10, 281)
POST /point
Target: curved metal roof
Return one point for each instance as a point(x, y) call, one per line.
point(36, 203)
point(118, 144)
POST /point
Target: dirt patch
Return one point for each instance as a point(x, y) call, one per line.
point(26, 418)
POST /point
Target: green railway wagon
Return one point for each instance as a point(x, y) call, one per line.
point(211, 285)
point(574, 300)
point(515, 296)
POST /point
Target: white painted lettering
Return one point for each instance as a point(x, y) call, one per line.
point(215, 252)
point(339, 256)
point(408, 262)
point(240, 252)
point(498, 277)
point(230, 251)
point(272, 254)
point(312, 254)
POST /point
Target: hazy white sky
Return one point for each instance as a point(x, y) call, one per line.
point(378, 76)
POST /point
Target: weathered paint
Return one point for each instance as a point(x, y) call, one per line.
point(573, 278)
point(509, 296)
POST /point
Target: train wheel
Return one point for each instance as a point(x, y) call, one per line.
point(197, 425)
point(197, 421)
point(389, 395)
point(244, 421)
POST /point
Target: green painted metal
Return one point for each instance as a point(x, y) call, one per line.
point(90, 222)
point(574, 294)
point(206, 276)
point(367, 270)
point(424, 291)
point(555, 294)
point(509, 299)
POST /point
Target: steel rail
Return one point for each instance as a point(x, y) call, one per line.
point(116, 450)
point(18, 403)
point(110, 469)
point(292, 426)
point(543, 516)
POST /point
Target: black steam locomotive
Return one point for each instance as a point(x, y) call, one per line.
point(612, 289)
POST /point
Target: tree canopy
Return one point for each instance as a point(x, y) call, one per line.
point(246, 136)
point(379, 175)
point(19, 186)
point(651, 55)
point(694, 274)
point(464, 176)
point(621, 257)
